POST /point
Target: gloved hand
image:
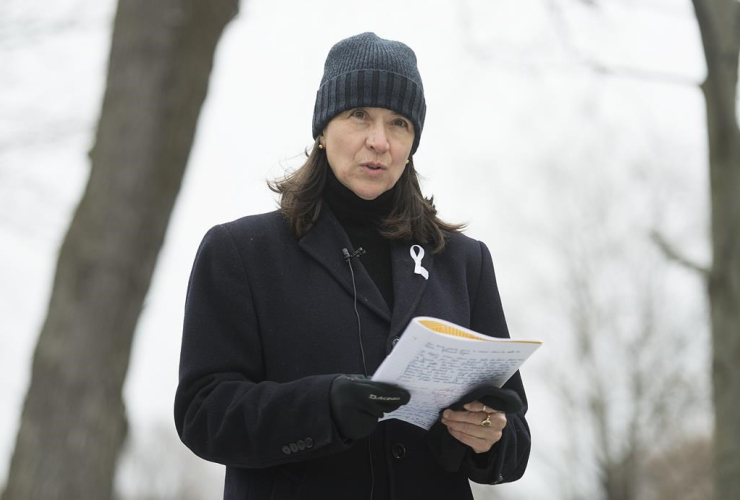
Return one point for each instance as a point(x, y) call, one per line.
point(357, 403)
point(448, 451)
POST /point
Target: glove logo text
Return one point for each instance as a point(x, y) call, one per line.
point(384, 398)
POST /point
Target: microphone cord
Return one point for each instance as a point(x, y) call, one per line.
point(348, 259)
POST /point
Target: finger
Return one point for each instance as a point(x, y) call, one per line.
point(479, 406)
point(464, 416)
point(475, 436)
point(476, 406)
point(478, 445)
point(492, 433)
point(475, 418)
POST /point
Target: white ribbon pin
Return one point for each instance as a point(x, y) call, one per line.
point(417, 253)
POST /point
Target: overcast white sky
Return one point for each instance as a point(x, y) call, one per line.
point(520, 122)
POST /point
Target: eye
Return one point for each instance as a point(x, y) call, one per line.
point(400, 122)
point(358, 113)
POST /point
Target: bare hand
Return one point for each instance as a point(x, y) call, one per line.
point(467, 426)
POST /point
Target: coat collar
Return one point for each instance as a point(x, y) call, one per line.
point(324, 243)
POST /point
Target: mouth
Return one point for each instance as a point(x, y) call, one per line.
point(373, 166)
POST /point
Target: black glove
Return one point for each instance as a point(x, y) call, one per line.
point(448, 451)
point(357, 403)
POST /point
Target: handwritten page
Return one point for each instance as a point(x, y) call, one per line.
point(438, 362)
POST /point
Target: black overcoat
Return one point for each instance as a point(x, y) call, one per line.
point(269, 323)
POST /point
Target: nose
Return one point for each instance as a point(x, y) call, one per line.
point(377, 139)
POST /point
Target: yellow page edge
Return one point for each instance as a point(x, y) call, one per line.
point(446, 328)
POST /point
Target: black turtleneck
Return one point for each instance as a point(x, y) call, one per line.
point(361, 220)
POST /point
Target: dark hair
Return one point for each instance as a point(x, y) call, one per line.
point(413, 216)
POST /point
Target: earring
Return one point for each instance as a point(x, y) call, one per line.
point(407, 162)
point(321, 146)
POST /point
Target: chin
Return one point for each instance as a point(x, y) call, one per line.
point(368, 194)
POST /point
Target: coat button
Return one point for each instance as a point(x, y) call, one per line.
point(398, 450)
point(294, 447)
point(301, 444)
point(309, 442)
point(286, 449)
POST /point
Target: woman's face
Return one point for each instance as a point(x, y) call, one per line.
point(367, 149)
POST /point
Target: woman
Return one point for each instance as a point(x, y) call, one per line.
point(282, 306)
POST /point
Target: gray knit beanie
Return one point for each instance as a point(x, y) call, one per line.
point(366, 70)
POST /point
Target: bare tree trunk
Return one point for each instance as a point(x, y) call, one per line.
point(73, 422)
point(719, 23)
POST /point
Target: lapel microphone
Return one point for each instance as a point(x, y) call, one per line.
point(356, 253)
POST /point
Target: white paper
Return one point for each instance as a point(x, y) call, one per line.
point(438, 369)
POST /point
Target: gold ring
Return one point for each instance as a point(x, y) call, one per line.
point(487, 421)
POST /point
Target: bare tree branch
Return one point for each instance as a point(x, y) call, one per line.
point(611, 70)
point(672, 254)
point(491, 55)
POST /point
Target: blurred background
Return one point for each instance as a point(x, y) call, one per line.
point(570, 135)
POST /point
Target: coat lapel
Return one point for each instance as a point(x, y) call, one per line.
point(324, 242)
point(408, 281)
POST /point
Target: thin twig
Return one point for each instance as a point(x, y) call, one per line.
point(672, 254)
